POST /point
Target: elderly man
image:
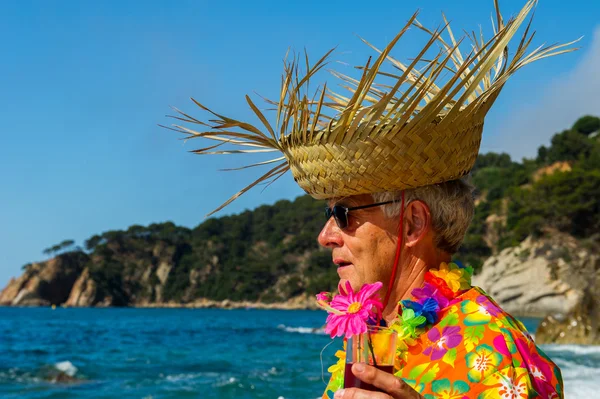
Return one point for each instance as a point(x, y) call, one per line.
point(492, 354)
point(390, 159)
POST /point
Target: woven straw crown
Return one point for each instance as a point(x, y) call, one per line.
point(423, 128)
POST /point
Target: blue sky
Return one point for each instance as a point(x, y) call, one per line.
point(84, 85)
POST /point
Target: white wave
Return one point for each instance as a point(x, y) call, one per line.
point(225, 382)
point(581, 391)
point(14, 374)
point(580, 368)
point(575, 349)
point(188, 376)
point(580, 381)
point(301, 330)
point(66, 367)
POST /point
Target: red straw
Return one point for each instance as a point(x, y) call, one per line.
point(398, 253)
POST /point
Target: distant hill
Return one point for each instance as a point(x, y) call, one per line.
point(271, 254)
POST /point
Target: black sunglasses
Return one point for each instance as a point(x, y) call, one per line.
point(340, 213)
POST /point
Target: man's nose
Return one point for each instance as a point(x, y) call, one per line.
point(330, 236)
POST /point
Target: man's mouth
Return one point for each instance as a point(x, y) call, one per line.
point(341, 263)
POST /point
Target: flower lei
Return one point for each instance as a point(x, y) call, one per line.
point(415, 315)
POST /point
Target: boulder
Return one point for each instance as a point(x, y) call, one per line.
point(540, 277)
point(581, 326)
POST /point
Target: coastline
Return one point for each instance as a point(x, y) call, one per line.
point(298, 303)
point(292, 304)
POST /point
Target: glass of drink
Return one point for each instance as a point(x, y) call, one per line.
point(377, 348)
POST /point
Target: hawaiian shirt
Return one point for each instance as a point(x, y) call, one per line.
point(476, 350)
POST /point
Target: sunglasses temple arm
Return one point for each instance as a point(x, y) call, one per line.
point(370, 205)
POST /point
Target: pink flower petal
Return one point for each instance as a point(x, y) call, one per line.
point(362, 314)
point(344, 327)
point(434, 334)
point(332, 327)
point(333, 324)
point(438, 353)
point(450, 330)
point(349, 288)
point(500, 345)
point(340, 303)
point(452, 341)
point(368, 290)
point(356, 326)
point(373, 303)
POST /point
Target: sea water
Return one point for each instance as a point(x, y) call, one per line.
point(192, 353)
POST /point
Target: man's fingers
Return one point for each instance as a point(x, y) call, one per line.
point(387, 382)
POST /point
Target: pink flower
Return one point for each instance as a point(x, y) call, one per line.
point(324, 297)
point(350, 311)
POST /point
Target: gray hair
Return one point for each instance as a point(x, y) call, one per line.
point(451, 206)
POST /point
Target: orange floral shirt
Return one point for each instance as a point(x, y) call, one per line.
point(476, 350)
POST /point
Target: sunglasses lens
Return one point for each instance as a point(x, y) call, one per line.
point(339, 214)
point(341, 218)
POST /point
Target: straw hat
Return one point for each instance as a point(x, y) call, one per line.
point(422, 126)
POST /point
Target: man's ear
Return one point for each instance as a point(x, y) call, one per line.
point(417, 222)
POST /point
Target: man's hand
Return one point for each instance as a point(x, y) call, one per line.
point(394, 387)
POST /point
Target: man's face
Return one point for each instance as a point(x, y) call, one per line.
point(364, 251)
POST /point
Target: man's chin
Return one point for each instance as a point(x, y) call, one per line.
point(347, 274)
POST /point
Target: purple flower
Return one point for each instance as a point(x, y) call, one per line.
point(488, 305)
point(429, 291)
point(440, 343)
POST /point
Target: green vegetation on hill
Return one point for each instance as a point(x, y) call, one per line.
point(268, 254)
point(559, 189)
point(271, 253)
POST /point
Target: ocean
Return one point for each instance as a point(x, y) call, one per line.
point(192, 353)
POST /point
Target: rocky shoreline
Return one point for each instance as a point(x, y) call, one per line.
point(298, 303)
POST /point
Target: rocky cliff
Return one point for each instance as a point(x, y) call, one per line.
point(44, 283)
point(551, 275)
point(83, 292)
point(67, 281)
